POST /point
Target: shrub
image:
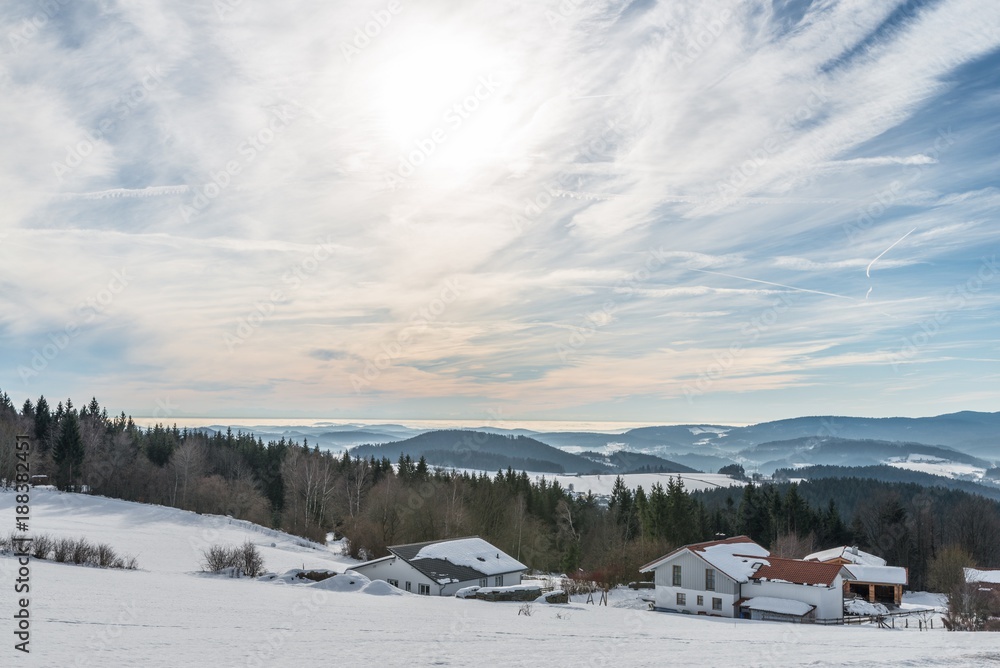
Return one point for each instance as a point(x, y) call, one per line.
point(249, 560)
point(243, 560)
point(62, 548)
point(105, 556)
point(41, 546)
point(82, 551)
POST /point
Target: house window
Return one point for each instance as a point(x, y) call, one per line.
point(709, 579)
point(482, 582)
point(394, 583)
point(701, 600)
point(681, 599)
point(408, 587)
point(498, 581)
point(716, 603)
point(677, 576)
point(425, 590)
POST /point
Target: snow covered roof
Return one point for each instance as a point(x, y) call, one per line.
point(457, 560)
point(877, 574)
point(736, 557)
point(847, 553)
point(984, 577)
point(782, 606)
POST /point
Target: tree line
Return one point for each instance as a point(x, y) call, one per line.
point(374, 502)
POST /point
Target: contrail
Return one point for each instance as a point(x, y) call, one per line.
point(868, 271)
point(780, 285)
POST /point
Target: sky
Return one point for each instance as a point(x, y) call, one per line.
point(641, 211)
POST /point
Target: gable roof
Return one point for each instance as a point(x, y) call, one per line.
point(847, 553)
point(975, 575)
point(458, 559)
point(798, 571)
point(737, 557)
point(877, 574)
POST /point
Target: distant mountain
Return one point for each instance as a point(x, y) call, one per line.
point(971, 432)
point(624, 461)
point(461, 448)
point(889, 474)
point(847, 452)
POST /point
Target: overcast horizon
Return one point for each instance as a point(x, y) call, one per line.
point(622, 211)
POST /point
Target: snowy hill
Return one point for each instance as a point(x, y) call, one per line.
point(165, 615)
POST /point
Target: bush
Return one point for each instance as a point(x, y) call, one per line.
point(244, 559)
point(105, 556)
point(82, 552)
point(62, 548)
point(41, 546)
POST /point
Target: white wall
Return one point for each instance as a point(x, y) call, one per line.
point(666, 597)
point(829, 601)
point(397, 569)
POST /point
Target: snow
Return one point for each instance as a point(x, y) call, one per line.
point(782, 606)
point(937, 466)
point(882, 574)
point(601, 485)
point(861, 557)
point(472, 552)
point(467, 592)
point(737, 560)
point(349, 581)
point(381, 588)
point(987, 577)
point(163, 616)
point(860, 607)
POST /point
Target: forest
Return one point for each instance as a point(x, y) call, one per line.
point(376, 502)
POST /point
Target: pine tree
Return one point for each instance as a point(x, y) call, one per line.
point(67, 452)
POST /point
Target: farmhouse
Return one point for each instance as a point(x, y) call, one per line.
point(736, 577)
point(441, 568)
point(866, 575)
point(988, 580)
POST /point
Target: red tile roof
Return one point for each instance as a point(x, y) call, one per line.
point(798, 571)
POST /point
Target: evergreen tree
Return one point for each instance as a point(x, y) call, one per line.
point(67, 452)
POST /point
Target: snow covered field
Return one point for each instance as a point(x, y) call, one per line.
point(169, 615)
point(602, 484)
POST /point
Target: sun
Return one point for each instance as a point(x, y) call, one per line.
point(438, 103)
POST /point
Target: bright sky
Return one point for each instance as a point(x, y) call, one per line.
point(648, 211)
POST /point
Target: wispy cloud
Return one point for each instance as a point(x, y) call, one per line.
point(720, 173)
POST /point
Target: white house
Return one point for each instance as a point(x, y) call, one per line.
point(736, 577)
point(816, 588)
point(441, 568)
point(705, 578)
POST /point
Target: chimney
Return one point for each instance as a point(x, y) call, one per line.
point(854, 550)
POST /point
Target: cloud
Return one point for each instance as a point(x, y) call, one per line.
point(491, 183)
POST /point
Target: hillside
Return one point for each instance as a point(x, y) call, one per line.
point(846, 452)
point(891, 474)
point(480, 450)
point(164, 615)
